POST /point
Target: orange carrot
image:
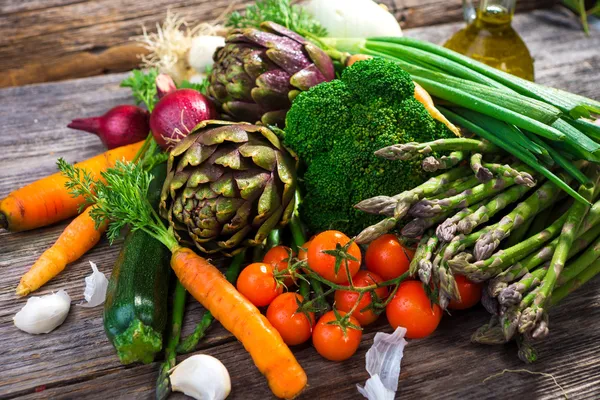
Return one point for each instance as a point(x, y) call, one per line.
point(424, 98)
point(79, 237)
point(47, 201)
point(356, 58)
point(271, 355)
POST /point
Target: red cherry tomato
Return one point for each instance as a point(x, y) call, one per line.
point(279, 257)
point(294, 327)
point(330, 340)
point(257, 282)
point(345, 300)
point(387, 257)
point(303, 251)
point(324, 264)
point(470, 293)
point(411, 309)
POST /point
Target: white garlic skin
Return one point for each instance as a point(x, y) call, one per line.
point(202, 377)
point(43, 314)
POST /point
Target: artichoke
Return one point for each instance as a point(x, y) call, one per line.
point(228, 185)
point(257, 74)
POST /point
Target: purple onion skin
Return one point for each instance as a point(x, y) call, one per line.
point(120, 126)
point(177, 113)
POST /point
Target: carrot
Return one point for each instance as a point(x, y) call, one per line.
point(424, 98)
point(47, 201)
point(79, 237)
point(271, 355)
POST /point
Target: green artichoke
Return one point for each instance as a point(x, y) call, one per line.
point(257, 74)
point(228, 185)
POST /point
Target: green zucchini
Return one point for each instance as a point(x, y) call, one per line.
point(136, 308)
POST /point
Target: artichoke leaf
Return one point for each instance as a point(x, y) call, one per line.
point(228, 133)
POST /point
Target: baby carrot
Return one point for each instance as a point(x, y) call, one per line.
point(79, 237)
point(47, 201)
point(271, 355)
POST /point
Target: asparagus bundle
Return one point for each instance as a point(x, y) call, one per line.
point(499, 222)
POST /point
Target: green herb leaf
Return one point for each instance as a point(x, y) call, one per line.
point(143, 86)
point(282, 12)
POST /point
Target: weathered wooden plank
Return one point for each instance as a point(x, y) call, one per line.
point(76, 361)
point(46, 41)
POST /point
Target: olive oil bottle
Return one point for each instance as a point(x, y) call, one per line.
point(490, 38)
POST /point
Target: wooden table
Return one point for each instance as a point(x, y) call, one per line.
point(76, 360)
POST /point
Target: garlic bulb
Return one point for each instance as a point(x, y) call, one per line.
point(202, 377)
point(95, 288)
point(43, 314)
point(354, 18)
point(383, 365)
point(201, 51)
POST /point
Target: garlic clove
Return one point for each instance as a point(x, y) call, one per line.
point(201, 51)
point(43, 314)
point(95, 288)
point(202, 377)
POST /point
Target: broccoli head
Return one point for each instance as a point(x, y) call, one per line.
point(335, 128)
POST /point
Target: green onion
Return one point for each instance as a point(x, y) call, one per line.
point(589, 128)
point(561, 160)
point(568, 102)
point(501, 139)
point(474, 103)
point(583, 145)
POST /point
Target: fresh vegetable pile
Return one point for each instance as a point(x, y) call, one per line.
point(493, 197)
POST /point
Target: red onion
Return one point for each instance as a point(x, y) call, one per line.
point(164, 85)
point(120, 126)
point(177, 114)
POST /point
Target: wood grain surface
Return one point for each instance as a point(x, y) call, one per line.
point(50, 40)
point(77, 361)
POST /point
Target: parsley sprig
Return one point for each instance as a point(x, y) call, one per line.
point(282, 12)
point(119, 198)
point(143, 87)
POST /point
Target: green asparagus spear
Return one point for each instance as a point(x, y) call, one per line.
point(513, 294)
point(539, 200)
point(532, 315)
point(521, 177)
point(403, 201)
point(428, 208)
point(407, 151)
point(432, 164)
point(488, 210)
point(482, 173)
point(414, 263)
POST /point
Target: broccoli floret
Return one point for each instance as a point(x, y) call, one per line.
point(336, 127)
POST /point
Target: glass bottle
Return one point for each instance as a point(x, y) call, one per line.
point(490, 38)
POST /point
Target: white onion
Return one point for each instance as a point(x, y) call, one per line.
point(354, 18)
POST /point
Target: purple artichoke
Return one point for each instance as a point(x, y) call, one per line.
point(258, 72)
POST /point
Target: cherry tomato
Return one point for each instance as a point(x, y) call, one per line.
point(411, 308)
point(294, 327)
point(303, 251)
point(470, 293)
point(387, 257)
point(330, 340)
point(324, 264)
point(257, 282)
point(278, 257)
point(345, 299)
